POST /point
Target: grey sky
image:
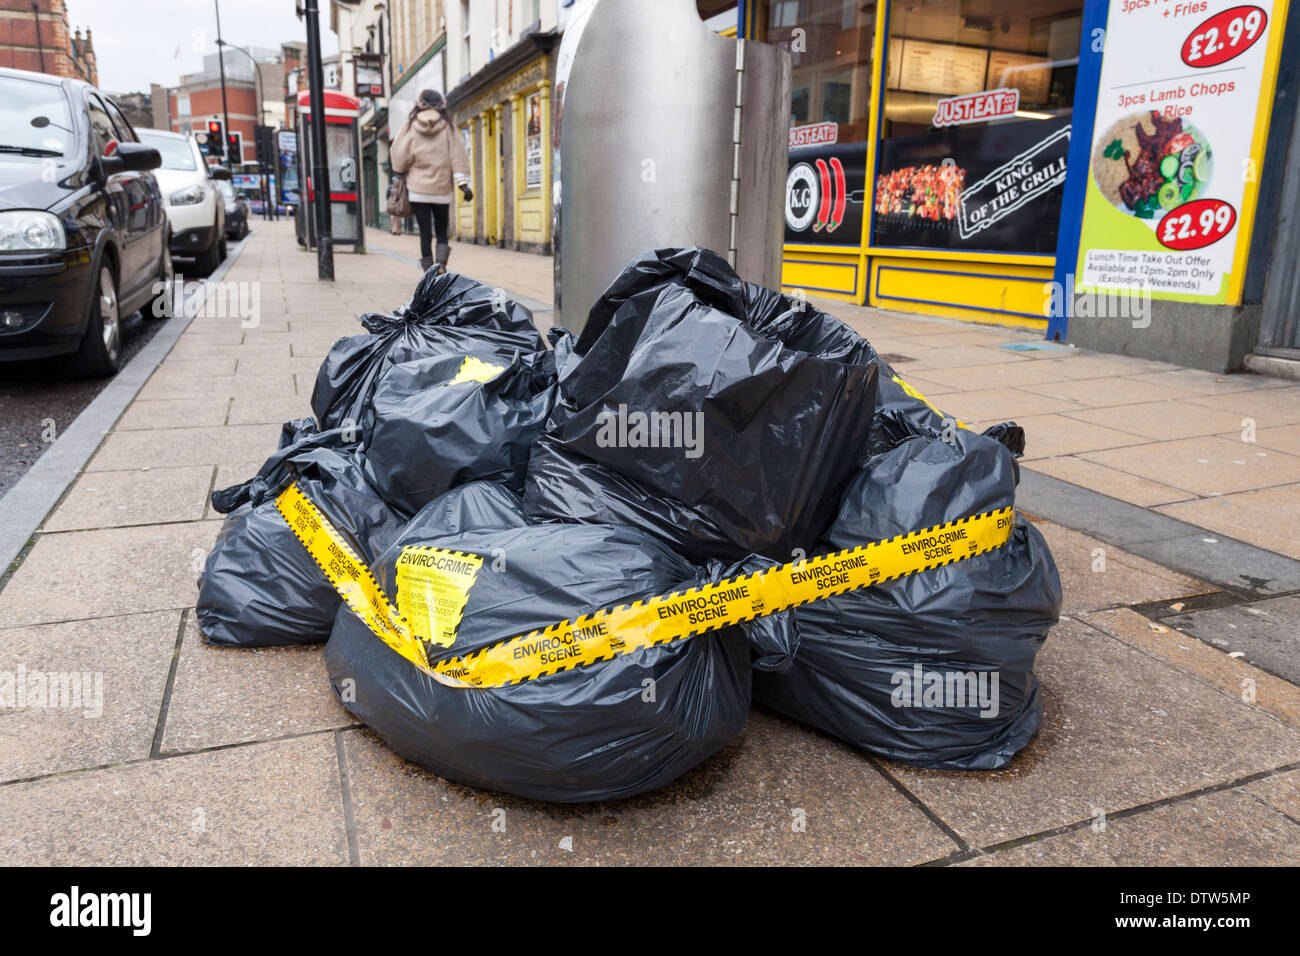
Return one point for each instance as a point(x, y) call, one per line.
point(139, 42)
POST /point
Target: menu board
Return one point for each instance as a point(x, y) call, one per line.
point(1182, 112)
point(942, 68)
point(1031, 75)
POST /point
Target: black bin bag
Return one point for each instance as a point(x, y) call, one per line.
point(259, 586)
point(933, 669)
point(448, 314)
point(719, 416)
point(607, 730)
point(437, 423)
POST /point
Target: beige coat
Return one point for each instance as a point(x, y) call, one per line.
point(431, 154)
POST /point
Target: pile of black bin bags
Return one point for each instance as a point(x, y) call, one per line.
point(700, 427)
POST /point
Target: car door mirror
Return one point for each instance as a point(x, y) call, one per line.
point(131, 157)
point(219, 172)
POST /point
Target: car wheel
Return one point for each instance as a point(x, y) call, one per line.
point(211, 258)
point(221, 254)
point(100, 353)
point(162, 306)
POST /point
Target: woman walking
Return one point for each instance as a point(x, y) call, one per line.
point(429, 152)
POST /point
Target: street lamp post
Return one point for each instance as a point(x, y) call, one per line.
point(320, 176)
point(221, 66)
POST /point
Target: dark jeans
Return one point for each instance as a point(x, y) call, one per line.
point(431, 217)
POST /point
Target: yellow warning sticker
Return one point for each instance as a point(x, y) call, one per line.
point(432, 590)
point(921, 398)
point(476, 370)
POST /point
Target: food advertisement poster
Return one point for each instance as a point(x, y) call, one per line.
point(1177, 146)
point(978, 186)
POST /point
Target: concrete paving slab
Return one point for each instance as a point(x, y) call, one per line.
point(90, 692)
point(171, 448)
point(1003, 375)
point(1003, 405)
point(174, 413)
point(194, 350)
point(1207, 466)
point(1117, 390)
point(1098, 575)
point(737, 808)
point(1107, 481)
point(1282, 438)
point(277, 407)
point(1210, 383)
point(257, 366)
point(1281, 791)
point(1276, 404)
point(1268, 518)
point(1120, 730)
point(1235, 566)
point(277, 803)
point(165, 385)
point(74, 575)
point(200, 367)
point(940, 356)
point(112, 499)
point(1207, 661)
point(1226, 828)
point(225, 695)
point(1083, 365)
point(1050, 436)
point(1266, 632)
point(1165, 420)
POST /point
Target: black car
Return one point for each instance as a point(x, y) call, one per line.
point(83, 232)
point(237, 210)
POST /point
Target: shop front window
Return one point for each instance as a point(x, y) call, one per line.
point(830, 45)
point(975, 125)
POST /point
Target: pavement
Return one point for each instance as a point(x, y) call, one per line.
point(1171, 731)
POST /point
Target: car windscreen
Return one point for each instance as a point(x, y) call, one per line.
point(176, 153)
point(24, 102)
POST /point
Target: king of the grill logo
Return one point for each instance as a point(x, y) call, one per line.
point(616, 644)
point(873, 574)
point(972, 546)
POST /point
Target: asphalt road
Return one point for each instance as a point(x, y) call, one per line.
point(37, 401)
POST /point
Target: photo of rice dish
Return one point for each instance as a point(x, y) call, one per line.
point(1146, 164)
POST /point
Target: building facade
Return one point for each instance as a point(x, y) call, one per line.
point(34, 35)
point(1006, 162)
point(1019, 162)
point(503, 110)
point(366, 61)
point(254, 94)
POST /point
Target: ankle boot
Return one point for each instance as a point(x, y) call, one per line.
point(443, 253)
point(425, 263)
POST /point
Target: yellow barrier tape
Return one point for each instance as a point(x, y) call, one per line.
point(348, 573)
point(609, 632)
point(921, 398)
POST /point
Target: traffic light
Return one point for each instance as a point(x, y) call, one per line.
point(234, 149)
point(215, 139)
point(264, 141)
